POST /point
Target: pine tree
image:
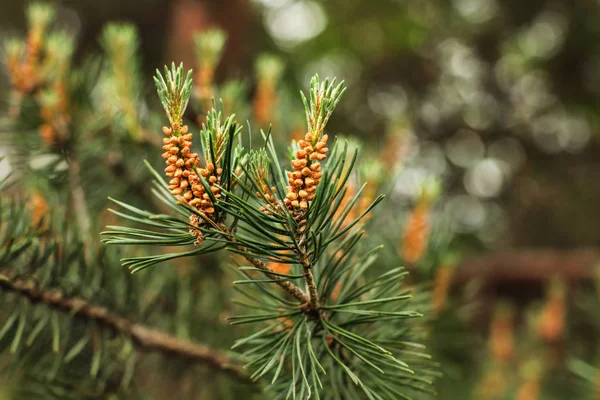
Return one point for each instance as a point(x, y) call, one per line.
point(311, 312)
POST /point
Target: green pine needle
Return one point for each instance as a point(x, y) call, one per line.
point(174, 91)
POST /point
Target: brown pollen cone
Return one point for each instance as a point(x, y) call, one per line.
point(39, 209)
point(492, 386)
point(441, 286)
point(30, 67)
point(307, 173)
point(264, 101)
point(180, 161)
point(182, 168)
point(25, 76)
point(271, 207)
point(552, 320)
point(416, 233)
point(501, 342)
point(529, 390)
point(56, 117)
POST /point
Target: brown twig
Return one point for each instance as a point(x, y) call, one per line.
point(310, 283)
point(529, 264)
point(309, 301)
point(313, 304)
point(146, 338)
point(288, 286)
point(80, 205)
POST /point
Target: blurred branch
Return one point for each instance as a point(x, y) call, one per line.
point(530, 264)
point(80, 205)
point(146, 338)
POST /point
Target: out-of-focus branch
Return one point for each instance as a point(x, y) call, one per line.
point(80, 206)
point(146, 338)
point(529, 264)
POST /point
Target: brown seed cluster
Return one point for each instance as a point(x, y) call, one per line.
point(268, 74)
point(416, 234)
point(56, 116)
point(307, 173)
point(265, 100)
point(25, 71)
point(271, 207)
point(501, 340)
point(39, 211)
point(28, 75)
point(492, 385)
point(202, 199)
point(261, 175)
point(195, 221)
point(182, 168)
point(529, 389)
point(180, 160)
point(25, 75)
point(441, 286)
point(551, 324)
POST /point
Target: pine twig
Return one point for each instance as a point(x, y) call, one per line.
point(80, 204)
point(288, 286)
point(529, 264)
point(146, 338)
point(312, 286)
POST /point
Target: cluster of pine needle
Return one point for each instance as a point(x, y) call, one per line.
point(310, 314)
point(273, 283)
point(326, 327)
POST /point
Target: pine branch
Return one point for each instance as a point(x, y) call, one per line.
point(312, 286)
point(288, 286)
point(529, 264)
point(78, 196)
point(147, 339)
point(80, 205)
point(349, 331)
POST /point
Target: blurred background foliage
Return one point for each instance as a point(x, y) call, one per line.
point(500, 96)
point(494, 101)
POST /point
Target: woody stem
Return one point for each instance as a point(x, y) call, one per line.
point(80, 205)
point(288, 286)
point(310, 282)
point(307, 267)
point(145, 337)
